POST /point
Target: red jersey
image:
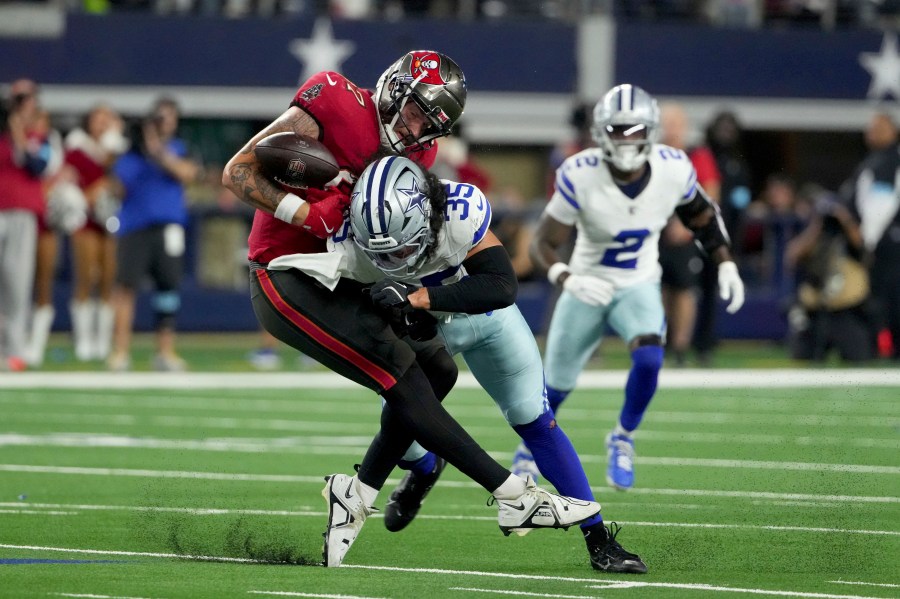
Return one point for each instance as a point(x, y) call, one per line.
point(349, 127)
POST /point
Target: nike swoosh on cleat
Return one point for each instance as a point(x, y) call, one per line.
point(330, 82)
point(347, 492)
point(519, 507)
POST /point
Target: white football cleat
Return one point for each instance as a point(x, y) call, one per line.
point(538, 508)
point(346, 515)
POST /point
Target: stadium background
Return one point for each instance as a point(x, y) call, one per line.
point(802, 94)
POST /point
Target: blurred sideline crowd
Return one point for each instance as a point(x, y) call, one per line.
point(729, 13)
point(119, 195)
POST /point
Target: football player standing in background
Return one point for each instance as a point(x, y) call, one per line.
point(618, 197)
point(416, 100)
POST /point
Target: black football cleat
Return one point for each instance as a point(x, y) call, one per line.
point(606, 553)
point(407, 498)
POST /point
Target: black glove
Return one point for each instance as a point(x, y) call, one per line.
point(421, 325)
point(391, 297)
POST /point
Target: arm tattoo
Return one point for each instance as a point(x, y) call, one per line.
point(246, 180)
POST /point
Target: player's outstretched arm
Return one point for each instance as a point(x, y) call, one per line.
point(243, 177)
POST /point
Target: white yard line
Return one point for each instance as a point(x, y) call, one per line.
point(718, 589)
point(717, 378)
point(207, 558)
point(201, 511)
point(299, 594)
point(94, 596)
point(521, 593)
point(518, 576)
point(867, 584)
point(289, 478)
point(358, 445)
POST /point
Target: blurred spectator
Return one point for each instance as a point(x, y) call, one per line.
point(67, 207)
point(454, 162)
point(151, 233)
point(874, 198)
point(772, 220)
point(80, 204)
point(26, 155)
point(831, 308)
point(724, 137)
point(685, 268)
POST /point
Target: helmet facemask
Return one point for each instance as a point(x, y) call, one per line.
point(437, 87)
point(626, 125)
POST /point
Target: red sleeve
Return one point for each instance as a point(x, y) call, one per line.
point(705, 164)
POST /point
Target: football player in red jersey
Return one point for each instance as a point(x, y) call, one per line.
point(416, 100)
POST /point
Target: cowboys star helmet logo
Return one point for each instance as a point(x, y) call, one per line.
point(416, 198)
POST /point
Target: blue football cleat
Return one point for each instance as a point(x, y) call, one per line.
point(523, 463)
point(620, 471)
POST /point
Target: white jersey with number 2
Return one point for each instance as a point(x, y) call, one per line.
point(618, 235)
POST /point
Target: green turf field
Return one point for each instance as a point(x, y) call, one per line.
point(755, 489)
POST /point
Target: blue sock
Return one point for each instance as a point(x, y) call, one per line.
point(556, 397)
point(646, 361)
point(423, 466)
point(556, 459)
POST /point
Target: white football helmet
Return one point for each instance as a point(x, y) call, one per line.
point(626, 125)
point(389, 215)
point(430, 79)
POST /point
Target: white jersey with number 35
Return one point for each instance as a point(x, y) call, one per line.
point(618, 235)
point(467, 219)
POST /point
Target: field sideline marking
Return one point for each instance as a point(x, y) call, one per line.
point(293, 478)
point(205, 558)
point(709, 587)
point(607, 379)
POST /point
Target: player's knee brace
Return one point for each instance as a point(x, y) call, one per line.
point(165, 306)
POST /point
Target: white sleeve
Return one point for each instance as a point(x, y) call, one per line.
point(563, 206)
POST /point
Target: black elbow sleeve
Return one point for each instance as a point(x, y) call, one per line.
point(491, 284)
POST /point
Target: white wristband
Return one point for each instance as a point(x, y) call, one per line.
point(288, 207)
point(555, 271)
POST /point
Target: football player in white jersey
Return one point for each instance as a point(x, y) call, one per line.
point(448, 275)
point(618, 197)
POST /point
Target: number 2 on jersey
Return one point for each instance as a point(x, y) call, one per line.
point(631, 240)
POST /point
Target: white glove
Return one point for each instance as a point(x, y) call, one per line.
point(590, 290)
point(730, 286)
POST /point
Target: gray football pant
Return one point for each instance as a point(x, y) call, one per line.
point(18, 248)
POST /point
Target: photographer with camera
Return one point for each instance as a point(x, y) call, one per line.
point(151, 242)
point(832, 309)
point(27, 157)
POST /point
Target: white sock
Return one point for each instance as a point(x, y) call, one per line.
point(41, 322)
point(367, 493)
point(105, 320)
point(512, 488)
point(82, 327)
point(621, 432)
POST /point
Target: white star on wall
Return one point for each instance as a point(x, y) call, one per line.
point(884, 68)
point(321, 52)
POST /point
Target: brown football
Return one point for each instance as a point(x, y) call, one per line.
point(296, 160)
